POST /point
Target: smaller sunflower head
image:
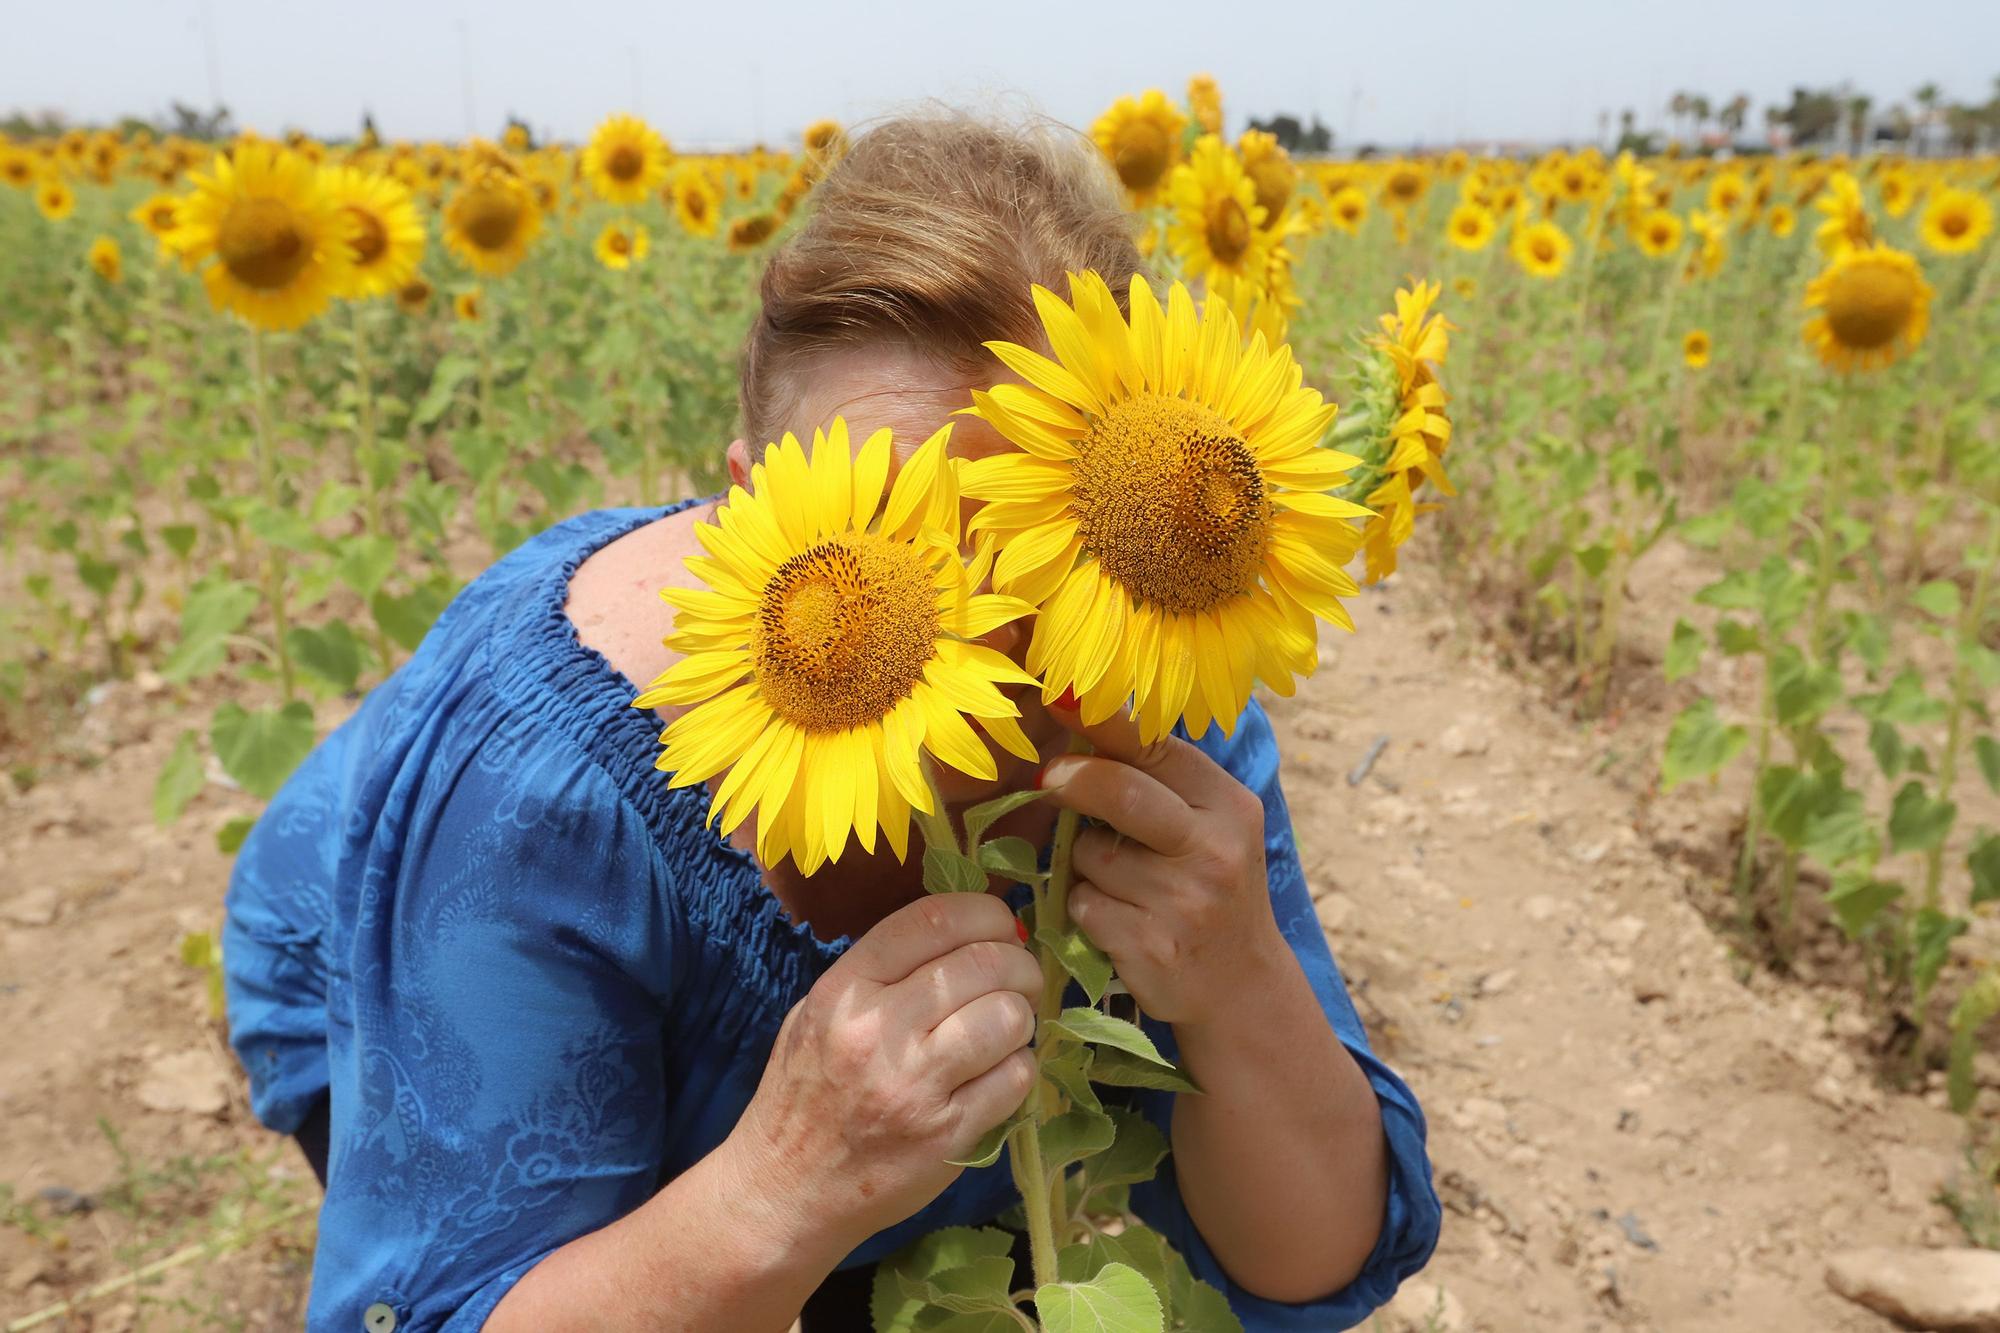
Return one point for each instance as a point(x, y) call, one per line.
point(621, 245)
point(1542, 248)
point(1142, 138)
point(106, 260)
point(469, 306)
point(1471, 226)
point(750, 231)
point(55, 199)
point(414, 296)
point(1872, 306)
point(1955, 221)
point(1695, 347)
point(625, 160)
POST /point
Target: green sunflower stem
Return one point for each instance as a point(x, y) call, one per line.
point(935, 824)
point(267, 486)
point(364, 458)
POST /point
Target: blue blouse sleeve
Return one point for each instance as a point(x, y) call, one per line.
point(500, 1091)
point(1411, 1220)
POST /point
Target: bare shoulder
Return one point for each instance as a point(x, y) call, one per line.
point(614, 596)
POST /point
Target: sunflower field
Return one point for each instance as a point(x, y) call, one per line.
point(266, 405)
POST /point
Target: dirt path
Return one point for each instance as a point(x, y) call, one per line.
point(1625, 1133)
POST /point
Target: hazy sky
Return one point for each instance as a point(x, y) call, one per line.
point(729, 72)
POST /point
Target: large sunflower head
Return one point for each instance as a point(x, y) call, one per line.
point(1541, 248)
point(1142, 137)
point(1873, 306)
point(625, 160)
point(1955, 221)
point(1217, 226)
point(1470, 226)
point(697, 201)
point(1167, 508)
point(275, 245)
point(386, 234)
point(833, 648)
point(491, 221)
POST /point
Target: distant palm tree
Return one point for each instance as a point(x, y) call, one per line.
point(1678, 104)
point(1857, 119)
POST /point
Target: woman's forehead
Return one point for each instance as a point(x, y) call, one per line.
point(897, 388)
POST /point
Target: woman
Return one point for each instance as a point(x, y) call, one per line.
point(569, 1059)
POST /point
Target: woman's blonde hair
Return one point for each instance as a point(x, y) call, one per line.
point(928, 234)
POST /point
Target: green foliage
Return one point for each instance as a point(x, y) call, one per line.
point(260, 747)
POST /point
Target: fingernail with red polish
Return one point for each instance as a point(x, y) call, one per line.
point(1068, 702)
point(1021, 929)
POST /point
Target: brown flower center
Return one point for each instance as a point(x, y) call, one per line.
point(1142, 155)
point(844, 630)
point(1170, 502)
point(489, 214)
point(1869, 304)
point(1228, 230)
point(625, 162)
point(261, 244)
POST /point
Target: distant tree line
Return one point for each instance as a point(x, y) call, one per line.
point(1294, 137)
point(1839, 117)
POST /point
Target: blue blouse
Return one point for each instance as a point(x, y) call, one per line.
point(535, 986)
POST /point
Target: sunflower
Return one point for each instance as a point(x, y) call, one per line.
point(414, 296)
point(625, 160)
point(1897, 189)
point(1142, 138)
point(1404, 183)
point(697, 202)
point(55, 199)
point(1782, 219)
point(1412, 347)
point(1471, 227)
point(491, 221)
point(750, 231)
point(1874, 306)
point(1217, 224)
point(1204, 97)
point(1348, 208)
point(276, 247)
point(1727, 192)
point(17, 167)
point(1542, 248)
point(1658, 233)
point(1847, 225)
point(159, 215)
point(468, 305)
point(1166, 510)
point(106, 260)
point(1695, 347)
point(1955, 221)
point(825, 143)
point(1464, 287)
point(1270, 170)
point(1712, 236)
point(833, 649)
point(621, 245)
point(387, 235)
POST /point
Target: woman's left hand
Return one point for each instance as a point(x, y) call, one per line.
point(1174, 889)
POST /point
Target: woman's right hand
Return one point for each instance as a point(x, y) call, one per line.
point(909, 1048)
